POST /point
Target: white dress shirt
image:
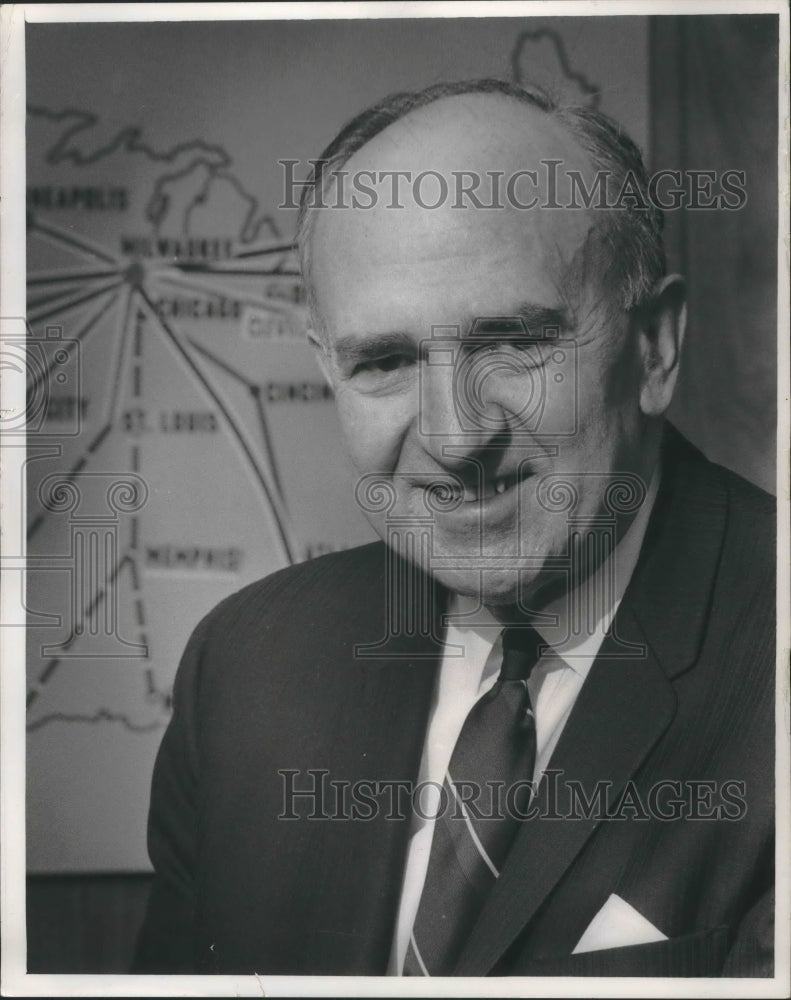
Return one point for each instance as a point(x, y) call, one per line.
point(469, 670)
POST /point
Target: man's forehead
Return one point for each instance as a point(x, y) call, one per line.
point(422, 181)
point(483, 132)
point(370, 257)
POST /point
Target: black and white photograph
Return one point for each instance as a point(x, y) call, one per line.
point(395, 499)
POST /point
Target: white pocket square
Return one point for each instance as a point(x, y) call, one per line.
point(616, 925)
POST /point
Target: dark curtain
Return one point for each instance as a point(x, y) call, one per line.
point(714, 99)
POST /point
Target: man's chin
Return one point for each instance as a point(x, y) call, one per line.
point(522, 586)
point(490, 588)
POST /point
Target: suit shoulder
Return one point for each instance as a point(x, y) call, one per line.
point(748, 560)
point(744, 494)
point(752, 511)
point(330, 579)
point(254, 643)
point(707, 488)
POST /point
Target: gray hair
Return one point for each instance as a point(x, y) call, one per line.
point(634, 230)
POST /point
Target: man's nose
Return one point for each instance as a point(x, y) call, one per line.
point(459, 414)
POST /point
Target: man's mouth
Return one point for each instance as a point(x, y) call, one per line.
point(491, 487)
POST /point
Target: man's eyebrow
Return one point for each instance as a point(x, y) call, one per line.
point(542, 320)
point(538, 321)
point(353, 350)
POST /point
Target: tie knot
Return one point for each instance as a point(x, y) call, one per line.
point(521, 651)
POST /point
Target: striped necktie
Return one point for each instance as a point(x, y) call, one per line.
point(485, 789)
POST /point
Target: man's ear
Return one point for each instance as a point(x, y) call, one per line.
point(320, 352)
point(662, 327)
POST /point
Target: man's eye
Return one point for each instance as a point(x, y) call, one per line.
point(511, 345)
point(384, 365)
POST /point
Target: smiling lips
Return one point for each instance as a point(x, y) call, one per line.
point(491, 487)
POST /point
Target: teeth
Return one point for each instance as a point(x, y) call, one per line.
point(491, 487)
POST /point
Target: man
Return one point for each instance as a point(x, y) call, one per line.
point(570, 595)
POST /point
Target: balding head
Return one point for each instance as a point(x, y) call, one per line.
point(420, 222)
point(481, 143)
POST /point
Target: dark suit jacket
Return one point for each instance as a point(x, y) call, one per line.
point(270, 682)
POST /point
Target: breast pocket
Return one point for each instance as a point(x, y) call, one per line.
point(692, 955)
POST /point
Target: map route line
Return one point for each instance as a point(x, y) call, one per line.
point(263, 251)
point(233, 272)
point(137, 591)
point(63, 295)
point(78, 466)
point(156, 694)
point(269, 447)
point(116, 400)
point(64, 307)
point(79, 336)
point(52, 665)
point(34, 692)
point(227, 292)
point(57, 235)
point(101, 715)
point(35, 524)
point(90, 610)
point(97, 441)
point(255, 391)
point(277, 515)
point(58, 276)
point(251, 386)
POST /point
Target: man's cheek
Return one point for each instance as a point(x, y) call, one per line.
point(367, 433)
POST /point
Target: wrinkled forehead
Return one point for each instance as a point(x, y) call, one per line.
point(465, 180)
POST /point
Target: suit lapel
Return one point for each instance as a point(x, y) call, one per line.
point(380, 734)
point(672, 589)
point(625, 705)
